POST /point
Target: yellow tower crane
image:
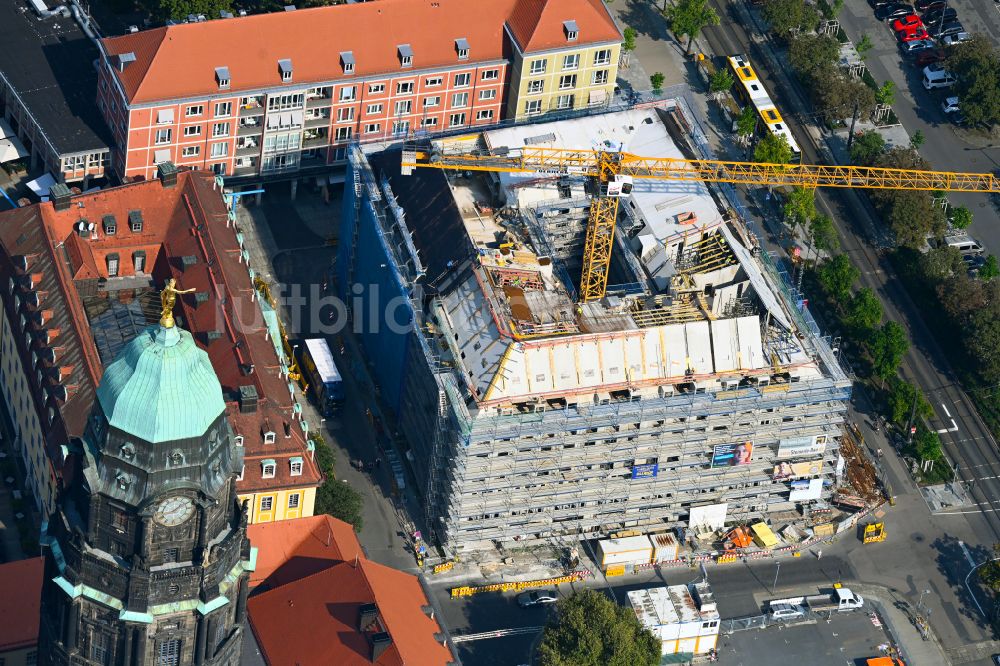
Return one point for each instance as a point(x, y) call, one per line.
point(614, 172)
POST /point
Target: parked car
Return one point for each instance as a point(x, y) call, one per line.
point(950, 105)
point(929, 57)
point(936, 76)
point(909, 21)
point(537, 598)
point(917, 46)
point(912, 35)
point(894, 11)
point(929, 5)
point(882, 3)
point(935, 15)
point(943, 31)
point(787, 611)
point(957, 38)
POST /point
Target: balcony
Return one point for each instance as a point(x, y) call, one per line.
point(315, 138)
point(245, 147)
point(317, 121)
point(252, 106)
point(318, 98)
point(250, 126)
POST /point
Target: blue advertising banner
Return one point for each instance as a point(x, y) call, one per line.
point(645, 471)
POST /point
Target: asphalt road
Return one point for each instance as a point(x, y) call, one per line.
point(946, 148)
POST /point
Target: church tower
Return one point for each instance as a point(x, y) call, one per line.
point(147, 560)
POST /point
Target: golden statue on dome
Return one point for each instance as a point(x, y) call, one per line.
point(168, 298)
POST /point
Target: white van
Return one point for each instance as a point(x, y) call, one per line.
point(936, 76)
point(964, 243)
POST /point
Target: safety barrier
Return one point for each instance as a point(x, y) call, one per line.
point(726, 558)
point(466, 590)
point(444, 566)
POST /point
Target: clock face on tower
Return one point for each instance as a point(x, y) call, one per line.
point(173, 511)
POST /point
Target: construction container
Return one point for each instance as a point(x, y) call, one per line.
point(763, 536)
point(627, 550)
point(665, 547)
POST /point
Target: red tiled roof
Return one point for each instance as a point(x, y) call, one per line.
point(180, 60)
point(21, 582)
point(291, 549)
point(537, 25)
point(314, 620)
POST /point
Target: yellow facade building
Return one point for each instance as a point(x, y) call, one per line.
point(280, 504)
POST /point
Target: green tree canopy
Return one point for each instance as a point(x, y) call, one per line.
point(836, 95)
point(800, 206)
point(864, 45)
point(837, 276)
point(628, 41)
point(864, 311)
point(335, 497)
point(886, 94)
point(867, 148)
point(721, 81)
point(983, 343)
point(990, 269)
point(976, 64)
point(911, 214)
point(888, 346)
point(811, 53)
point(927, 443)
point(989, 573)
point(901, 399)
point(746, 124)
point(941, 263)
point(589, 629)
point(656, 81)
point(961, 217)
point(688, 17)
point(181, 9)
point(773, 149)
point(824, 234)
point(789, 16)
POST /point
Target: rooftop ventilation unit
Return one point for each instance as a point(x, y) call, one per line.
point(124, 60)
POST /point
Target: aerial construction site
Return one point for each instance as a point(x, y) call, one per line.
point(689, 390)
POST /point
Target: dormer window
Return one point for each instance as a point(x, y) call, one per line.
point(347, 61)
point(268, 468)
point(239, 440)
point(243, 468)
point(572, 32)
point(139, 260)
point(285, 67)
point(295, 466)
point(110, 225)
point(112, 260)
point(269, 437)
point(405, 55)
point(135, 221)
point(462, 46)
point(222, 77)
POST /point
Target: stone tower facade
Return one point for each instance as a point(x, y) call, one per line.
point(147, 560)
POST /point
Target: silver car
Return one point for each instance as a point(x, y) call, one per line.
point(537, 598)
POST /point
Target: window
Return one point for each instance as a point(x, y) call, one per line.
point(400, 127)
point(404, 107)
point(431, 102)
point(571, 61)
point(112, 260)
point(282, 142)
point(485, 114)
point(163, 135)
point(286, 102)
point(345, 115)
point(30, 659)
point(564, 102)
point(374, 109)
point(347, 94)
point(139, 260)
point(243, 468)
point(430, 122)
point(266, 503)
point(602, 57)
point(536, 87)
point(269, 438)
point(267, 470)
point(537, 67)
point(372, 128)
point(220, 129)
point(404, 88)
point(293, 501)
point(239, 440)
point(571, 35)
point(406, 61)
point(600, 77)
point(491, 74)
point(463, 80)
point(567, 82)
point(168, 653)
point(460, 100)
point(119, 520)
point(100, 648)
point(190, 151)
point(343, 133)
point(195, 110)
point(434, 81)
point(223, 109)
point(456, 120)
point(486, 95)
point(192, 130)
point(533, 106)
point(376, 88)
point(295, 467)
point(220, 149)
point(171, 554)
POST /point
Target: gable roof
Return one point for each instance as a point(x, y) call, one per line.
point(21, 582)
point(314, 620)
point(291, 549)
point(537, 25)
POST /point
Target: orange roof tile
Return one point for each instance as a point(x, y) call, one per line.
point(315, 620)
point(291, 549)
point(537, 25)
point(180, 60)
point(21, 582)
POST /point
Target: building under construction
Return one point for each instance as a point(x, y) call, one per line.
point(692, 395)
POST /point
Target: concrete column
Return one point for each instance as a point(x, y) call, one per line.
point(241, 599)
point(295, 188)
point(201, 640)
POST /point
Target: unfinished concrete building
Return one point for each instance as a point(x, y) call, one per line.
point(691, 396)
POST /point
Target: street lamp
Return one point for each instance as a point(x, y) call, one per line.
point(777, 570)
point(920, 600)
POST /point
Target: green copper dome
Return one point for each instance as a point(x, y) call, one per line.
point(161, 388)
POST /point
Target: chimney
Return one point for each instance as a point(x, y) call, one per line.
point(248, 399)
point(380, 643)
point(167, 173)
point(367, 616)
point(60, 195)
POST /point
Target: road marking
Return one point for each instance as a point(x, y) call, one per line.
point(945, 408)
point(496, 633)
point(953, 428)
point(959, 513)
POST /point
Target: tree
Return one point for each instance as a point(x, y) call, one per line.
point(628, 41)
point(721, 81)
point(837, 276)
point(917, 140)
point(773, 149)
point(824, 234)
point(889, 345)
point(961, 217)
point(990, 269)
point(688, 17)
point(905, 399)
point(340, 500)
point(800, 206)
point(810, 53)
point(941, 263)
point(886, 94)
point(831, 8)
point(960, 296)
point(867, 147)
point(989, 573)
point(746, 124)
point(589, 629)
point(911, 214)
point(864, 311)
point(656, 80)
point(864, 46)
point(836, 95)
point(790, 16)
point(927, 443)
point(181, 9)
point(982, 342)
point(976, 64)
